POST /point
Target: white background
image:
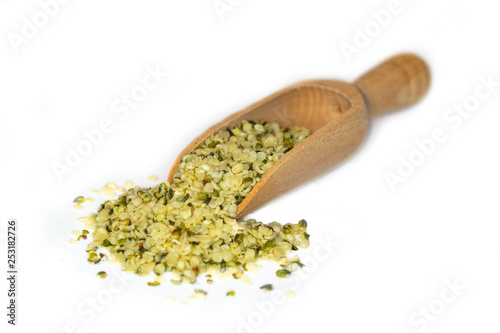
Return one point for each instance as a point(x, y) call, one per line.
point(397, 248)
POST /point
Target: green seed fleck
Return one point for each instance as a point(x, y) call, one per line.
point(200, 291)
point(106, 243)
point(221, 156)
point(288, 143)
point(183, 198)
point(122, 201)
point(269, 244)
point(282, 273)
point(230, 293)
point(238, 238)
point(267, 287)
point(202, 196)
point(93, 258)
point(102, 274)
point(239, 199)
point(147, 197)
point(79, 200)
point(153, 284)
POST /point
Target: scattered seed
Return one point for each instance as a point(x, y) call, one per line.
point(109, 192)
point(282, 273)
point(200, 291)
point(152, 178)
point(267, 287)
point(93, 258)
point(79, 200)
point(111, 186)
point(196, 214)
point(102, 274)
point(230, 293)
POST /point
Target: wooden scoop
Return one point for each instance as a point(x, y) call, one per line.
point(339, 114)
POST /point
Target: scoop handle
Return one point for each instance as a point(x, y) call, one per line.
point(394, 84)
